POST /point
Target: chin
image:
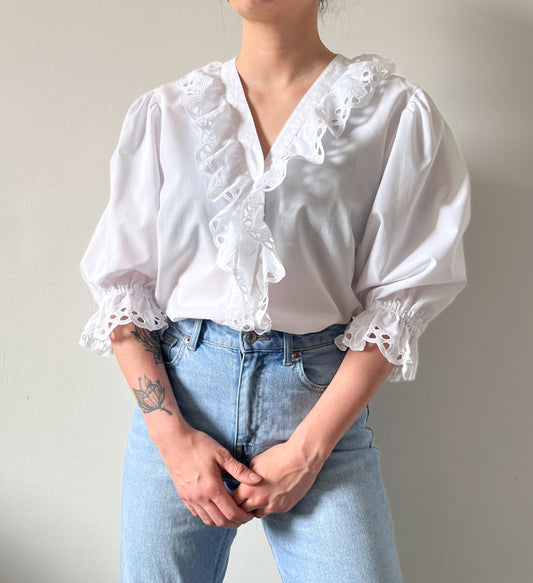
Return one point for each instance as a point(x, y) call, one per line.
point(256, 8)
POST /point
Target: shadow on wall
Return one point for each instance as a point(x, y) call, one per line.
point(461, 498)
point(498, 142)
point(25, 562)
point(27, 554)
point(494, 81)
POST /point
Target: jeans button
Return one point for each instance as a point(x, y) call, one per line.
point(250, 337)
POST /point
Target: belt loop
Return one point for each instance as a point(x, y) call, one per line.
point(195, 334)
point(287, 348)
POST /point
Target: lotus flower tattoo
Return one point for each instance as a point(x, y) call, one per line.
point(151, 397)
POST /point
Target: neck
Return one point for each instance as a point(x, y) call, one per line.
point(275, 54)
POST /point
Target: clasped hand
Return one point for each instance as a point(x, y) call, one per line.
point(287, 476)
point(276, 480)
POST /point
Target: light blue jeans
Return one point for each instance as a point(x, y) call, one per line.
point(249, 392)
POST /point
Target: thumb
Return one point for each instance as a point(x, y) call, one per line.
point(241, 472)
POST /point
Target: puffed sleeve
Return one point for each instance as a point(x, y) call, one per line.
point(410, 263)
point(120, 264)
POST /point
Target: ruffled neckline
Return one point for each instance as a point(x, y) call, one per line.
point(231, 154)
point(237, 97)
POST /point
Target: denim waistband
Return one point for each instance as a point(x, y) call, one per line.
point(199, 330)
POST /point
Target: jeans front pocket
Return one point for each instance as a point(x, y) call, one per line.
point(317, 366)
point(173, 343)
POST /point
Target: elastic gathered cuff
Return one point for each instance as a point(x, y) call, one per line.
point(396, 338)
point(119, 306)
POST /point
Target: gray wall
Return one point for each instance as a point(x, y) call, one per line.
point(455, 444)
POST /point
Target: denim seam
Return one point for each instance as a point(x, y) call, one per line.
point(165, 349)
point(369, 427)
point(309, 384)
point(195, 335)
point(237, 347)
point(168, 332)
point(179, 344)
point(269, 350)
point(219, 344)
point(252, 443)
point(288, 357)
point(314, 346)
point(238, 408)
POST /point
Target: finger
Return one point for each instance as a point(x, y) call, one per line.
point(190, 508)
point(217, 517)
point(239, 495)
point(204, 516)
point(250, 507)
point(231, 510)
point(250, 499)
point(240, 472)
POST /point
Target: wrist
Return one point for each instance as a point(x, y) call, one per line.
point(164, 429)
point(315, 449)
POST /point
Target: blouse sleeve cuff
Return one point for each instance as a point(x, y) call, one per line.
point(395, 335)
point(120, 306)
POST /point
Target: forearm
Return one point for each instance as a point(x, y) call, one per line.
point(193, 459)
point(357, 380)
point(138, 354)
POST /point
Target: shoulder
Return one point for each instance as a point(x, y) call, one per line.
point(371, 73)
point(372, 81)
point(192, 86)
point(178, 105)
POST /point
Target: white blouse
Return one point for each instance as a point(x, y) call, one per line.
point(356, 216)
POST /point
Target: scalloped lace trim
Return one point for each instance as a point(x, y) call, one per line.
point(119, 308)
point(246, 248)
point(395, 332)
point(239, 231)
point(353, 89)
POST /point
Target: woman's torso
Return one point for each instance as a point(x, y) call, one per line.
point(288, 227)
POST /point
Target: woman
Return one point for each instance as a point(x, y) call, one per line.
point(281, 229)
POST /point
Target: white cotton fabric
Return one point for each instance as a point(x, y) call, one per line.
point(356, 216)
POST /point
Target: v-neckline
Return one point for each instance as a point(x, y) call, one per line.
point(296, 118)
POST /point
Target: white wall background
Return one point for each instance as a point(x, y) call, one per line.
point(455, 444)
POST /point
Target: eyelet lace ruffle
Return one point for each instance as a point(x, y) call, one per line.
point(245, 244)
point(394, 330)
point(120, 306)
point(246, 248)
point(352, 90)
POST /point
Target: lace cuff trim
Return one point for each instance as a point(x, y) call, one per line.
point(395, 334)
point(120, 306)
